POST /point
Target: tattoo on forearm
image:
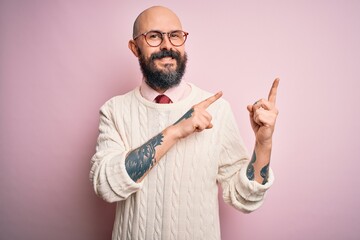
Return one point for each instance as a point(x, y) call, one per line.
point(185, 116)
point(250, 169)
point(264, 173)
point(140, 160)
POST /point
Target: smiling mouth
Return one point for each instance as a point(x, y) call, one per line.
point(166, 63)
point(166, 60)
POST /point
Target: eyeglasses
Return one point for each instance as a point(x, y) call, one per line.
point(155, 38)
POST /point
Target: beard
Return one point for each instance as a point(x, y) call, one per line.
point(159, 79)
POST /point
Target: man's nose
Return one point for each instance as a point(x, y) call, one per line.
point(166, 44)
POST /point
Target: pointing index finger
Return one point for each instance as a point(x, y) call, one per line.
point(207, 102)
point(273, 91)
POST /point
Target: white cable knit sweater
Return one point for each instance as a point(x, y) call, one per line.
point(178, 199)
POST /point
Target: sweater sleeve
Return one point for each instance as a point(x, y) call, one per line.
point(238, 190)
point(108, 174)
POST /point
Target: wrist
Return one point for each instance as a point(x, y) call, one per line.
point(173, 132)
point(264, 144)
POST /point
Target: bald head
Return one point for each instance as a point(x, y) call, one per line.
point(156, 18)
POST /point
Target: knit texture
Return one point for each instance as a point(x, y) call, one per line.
point(178, 199)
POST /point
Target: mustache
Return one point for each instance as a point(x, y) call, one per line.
point(165, 53)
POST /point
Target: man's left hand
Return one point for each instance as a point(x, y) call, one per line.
point(263, 114)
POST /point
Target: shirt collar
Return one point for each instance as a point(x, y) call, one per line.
point(176, 93)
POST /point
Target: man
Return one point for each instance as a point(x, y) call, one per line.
point(161, 162)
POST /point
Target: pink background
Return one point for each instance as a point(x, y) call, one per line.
point(61, 60)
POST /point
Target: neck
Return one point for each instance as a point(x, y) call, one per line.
point(160, 91)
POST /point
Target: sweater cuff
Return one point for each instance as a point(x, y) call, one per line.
point(251, 190)
point(125, 184)
point(118, 184)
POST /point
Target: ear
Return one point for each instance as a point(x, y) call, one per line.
point(134, 48)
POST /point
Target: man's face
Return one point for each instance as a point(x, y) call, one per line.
point(162, 66)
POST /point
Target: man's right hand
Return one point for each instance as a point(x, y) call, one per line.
point(196, 119)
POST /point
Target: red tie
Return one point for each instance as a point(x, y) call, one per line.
point(163, 99)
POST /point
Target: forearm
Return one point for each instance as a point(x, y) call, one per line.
point(258, 168)
point(141, 160)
